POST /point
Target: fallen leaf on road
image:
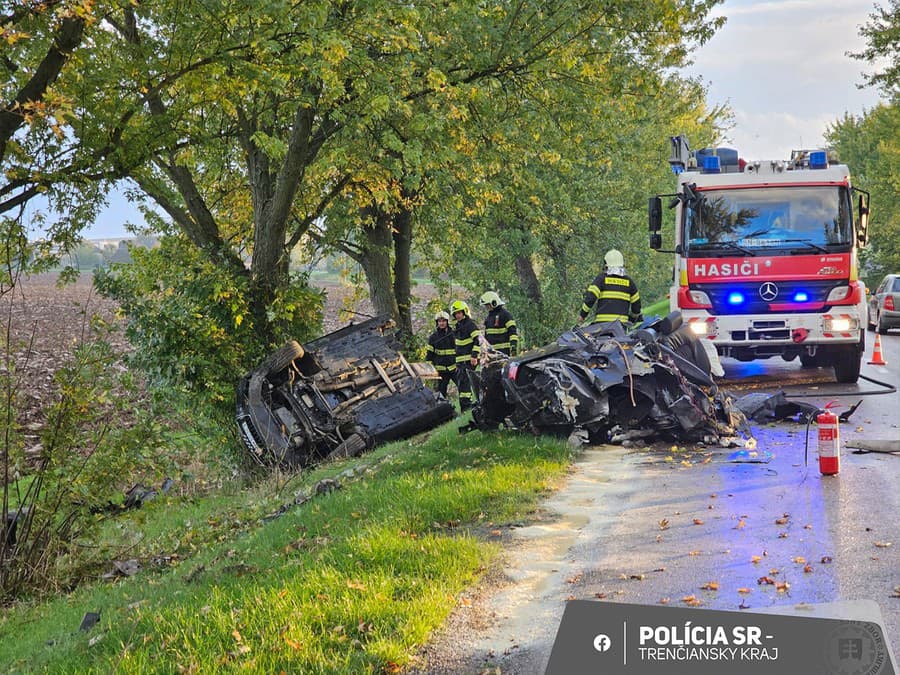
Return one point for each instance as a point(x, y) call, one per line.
point(637, 577)
point(695, 552)
point(781, 521)
point(710, 586)
point(765, 580)
point(691, 600)
point(663, 601)
point(664, 524)
point(807, 568)
point(782, 535)
point(883, 544)
point(826, 559)
point(799, 560)
point(600, 596)
point(807, 527)
point(740, 524)
point(743, 591)
point(782, 587)
point(697, 521)
point(755, 559)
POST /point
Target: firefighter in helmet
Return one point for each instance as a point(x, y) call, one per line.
point(467, 339)
point(499, 325)
point(441, 351)
point(612, 296)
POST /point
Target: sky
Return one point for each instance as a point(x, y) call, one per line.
point(780, 65)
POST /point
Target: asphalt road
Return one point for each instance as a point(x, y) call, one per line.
point(703, 527)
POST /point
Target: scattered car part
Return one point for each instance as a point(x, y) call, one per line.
point(610, 383)
point(336, 397)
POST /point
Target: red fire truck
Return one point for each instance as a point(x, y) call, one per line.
point(766, 255)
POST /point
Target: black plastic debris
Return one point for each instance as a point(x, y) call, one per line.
point(765, 407)
point(89, 620)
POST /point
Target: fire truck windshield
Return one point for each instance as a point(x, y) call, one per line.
point(781, 218)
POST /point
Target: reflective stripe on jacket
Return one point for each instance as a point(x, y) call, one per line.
point(613, 298)
point(466, 336)
point(500, 330)
point(441, 350)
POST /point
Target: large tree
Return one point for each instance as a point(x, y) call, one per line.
point(273, 101)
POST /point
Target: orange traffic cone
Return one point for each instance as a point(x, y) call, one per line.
point(877, 358)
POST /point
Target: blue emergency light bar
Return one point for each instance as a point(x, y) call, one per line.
point(818, 159)
point(735, 298)
point(711, 164)
point(801, 296)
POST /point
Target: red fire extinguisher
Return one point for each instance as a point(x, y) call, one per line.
point(829, 441)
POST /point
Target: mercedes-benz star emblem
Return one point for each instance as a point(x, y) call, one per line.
point(768, 291)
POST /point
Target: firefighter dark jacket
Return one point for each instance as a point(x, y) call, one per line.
point(441, 350)
point(466, 335)
point(612, 297)
point(500, 330)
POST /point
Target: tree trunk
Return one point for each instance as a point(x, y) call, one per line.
point(528, 279)
point(403, 273)
point(376, 263)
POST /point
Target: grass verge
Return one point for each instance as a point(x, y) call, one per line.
point(354, 580)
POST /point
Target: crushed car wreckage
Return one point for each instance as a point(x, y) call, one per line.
point(609, 385)
point(336, 397)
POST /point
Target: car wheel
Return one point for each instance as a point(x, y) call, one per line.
point(351, 447)
point(282, 358)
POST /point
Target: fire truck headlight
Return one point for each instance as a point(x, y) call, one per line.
point(840, 325)
point(699, 327)
point(701, 298)
point(839, 293)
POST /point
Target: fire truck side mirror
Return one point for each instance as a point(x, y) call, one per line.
point(654, 213)
point(862, 234)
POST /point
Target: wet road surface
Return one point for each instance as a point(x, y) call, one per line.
point(703, 527)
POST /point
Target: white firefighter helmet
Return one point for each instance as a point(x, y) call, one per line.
point(442, 315)
point(491, 299)
point(614, 258)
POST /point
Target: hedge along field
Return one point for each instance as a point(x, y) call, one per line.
point(354, 580)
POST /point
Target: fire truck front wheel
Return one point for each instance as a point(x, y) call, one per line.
point(847, 361)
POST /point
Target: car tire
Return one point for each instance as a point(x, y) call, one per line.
point(684, 343)
point(351, 447)
point(282, 358)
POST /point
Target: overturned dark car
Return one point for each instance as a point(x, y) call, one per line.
point(608, 385)
point(336, 397)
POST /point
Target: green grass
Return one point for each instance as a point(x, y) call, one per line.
point(352, 581)
point(660, 307)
